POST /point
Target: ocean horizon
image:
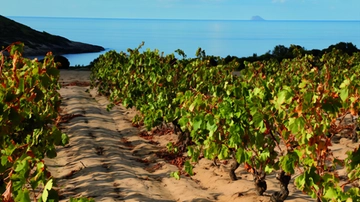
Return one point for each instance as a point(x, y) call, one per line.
point(179, 19)
point(241, 38)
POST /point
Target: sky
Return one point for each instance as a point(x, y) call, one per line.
point(187, 9)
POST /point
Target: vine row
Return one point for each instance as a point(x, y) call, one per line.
point(273, 117)
point(29, 110)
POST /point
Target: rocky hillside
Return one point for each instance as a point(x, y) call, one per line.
point(39, 43)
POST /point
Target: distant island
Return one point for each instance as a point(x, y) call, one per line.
point(39, 43)
point(257, 18)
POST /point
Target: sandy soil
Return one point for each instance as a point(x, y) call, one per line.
point(107, 160)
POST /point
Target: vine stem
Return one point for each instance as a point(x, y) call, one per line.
point(2, 64)
point(276, 142)
point(348, 182)
point(9, 175)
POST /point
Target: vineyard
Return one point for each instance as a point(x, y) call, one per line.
point(271, 117)
point(29, 120)
point(28, 132)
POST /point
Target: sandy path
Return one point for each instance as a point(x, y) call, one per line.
point(105, 158)
point(101, 160)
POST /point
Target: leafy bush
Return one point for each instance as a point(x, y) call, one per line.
point(29, 106)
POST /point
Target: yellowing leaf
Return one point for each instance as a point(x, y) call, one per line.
point(344, 94)
point(345, 83)
point(47, 188)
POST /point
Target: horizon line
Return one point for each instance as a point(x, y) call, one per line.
point(189, 19)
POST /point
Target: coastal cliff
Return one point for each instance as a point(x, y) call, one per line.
point(39, 43)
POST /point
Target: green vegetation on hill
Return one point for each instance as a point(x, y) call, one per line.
point(281, 52)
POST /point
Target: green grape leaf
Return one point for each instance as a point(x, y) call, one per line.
point(169, 78)
point(258, 120)
point(235, 140)
point(282, 96)
point(23, 195)
point(224, 153)
point(40, 166)
point(183, 121)
point(303, 83)
point(353, 159)
point(308, 97)
point(241, 156)
point(296, 124)
point(226, 110)
point(14, 116)
point(17, 48)
point(211, 125)
point(64, 139)
point(289, 161)
point(300, 181)
point(269, 168)
point(197, 122)
point(190, 151)
point(344, 94)
point(175, 174)
point(4, 160)
point(331, 105)
point(345, 83)
point(21, 86)
point(51, 152)
point(264, 155)
point(212, 149)
point(47, 188)
point(349, 200)
point(39, 95)
point(189, 168)
point(330, 193)
point(46, 81)
point(53, 72)
point(9, 95)
point(21, 165)
point(56, 134)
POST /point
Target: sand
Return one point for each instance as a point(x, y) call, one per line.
point(107, 160)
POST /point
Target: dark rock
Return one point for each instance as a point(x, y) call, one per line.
point(39, 43)
point(63, 62)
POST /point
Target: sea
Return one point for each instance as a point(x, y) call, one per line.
point(241, 38)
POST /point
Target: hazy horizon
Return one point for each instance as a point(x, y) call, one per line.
point(172, 18)
point(188, 9)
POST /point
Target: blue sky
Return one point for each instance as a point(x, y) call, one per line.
point(187, 9)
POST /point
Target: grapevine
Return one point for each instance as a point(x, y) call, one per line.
point(276, 116)
point(29, 105)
